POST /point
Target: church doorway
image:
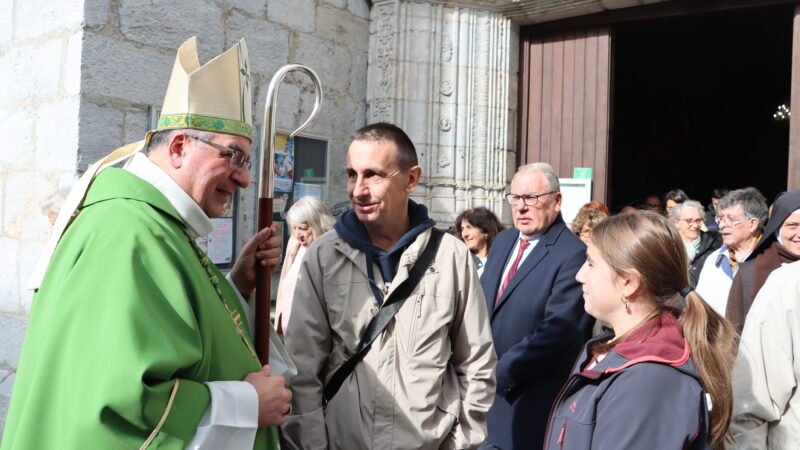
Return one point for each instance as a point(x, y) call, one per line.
point(693, 104)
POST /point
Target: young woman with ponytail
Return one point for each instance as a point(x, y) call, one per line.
point(661, 379)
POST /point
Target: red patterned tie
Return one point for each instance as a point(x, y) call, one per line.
point(523, 244)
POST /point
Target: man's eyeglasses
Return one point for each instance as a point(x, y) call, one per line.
point(697, 222)
point(528, 200)
point(728, 220)
point(235, 157)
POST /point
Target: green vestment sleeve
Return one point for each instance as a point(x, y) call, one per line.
point(124, 311)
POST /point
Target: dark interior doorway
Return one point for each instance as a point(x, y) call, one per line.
point(693, 104)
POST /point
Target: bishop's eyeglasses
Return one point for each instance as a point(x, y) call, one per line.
point(235, 157)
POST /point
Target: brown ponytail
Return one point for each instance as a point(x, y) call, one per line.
point(648, 243)
point(713, 342)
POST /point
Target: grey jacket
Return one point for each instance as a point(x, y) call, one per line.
point(642, 395)
point(427, 381)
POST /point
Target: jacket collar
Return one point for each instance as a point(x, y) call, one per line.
point(115, 183)
point(197, 222)
point(546, 240)
point(352, 231)
point(707, 240)
point(407, 258)
point(659, 340)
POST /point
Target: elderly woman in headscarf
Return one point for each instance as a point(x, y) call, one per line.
point(309, 219)
point(779, 245)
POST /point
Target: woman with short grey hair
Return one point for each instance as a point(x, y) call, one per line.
point(688, 218)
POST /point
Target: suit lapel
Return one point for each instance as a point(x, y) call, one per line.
point(494, 272)
point(537, 254)
point(530, 262)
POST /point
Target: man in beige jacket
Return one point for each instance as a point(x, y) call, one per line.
point(427, 381)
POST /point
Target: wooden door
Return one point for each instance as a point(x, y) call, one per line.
point(565, 91)
point(793, 176)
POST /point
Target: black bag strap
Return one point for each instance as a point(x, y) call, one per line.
point(385, 315)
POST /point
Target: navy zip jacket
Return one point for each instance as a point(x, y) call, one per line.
point(645, 394)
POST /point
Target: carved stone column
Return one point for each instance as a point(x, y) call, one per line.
point(446, 74)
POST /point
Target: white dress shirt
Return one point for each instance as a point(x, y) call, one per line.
point(513, 255)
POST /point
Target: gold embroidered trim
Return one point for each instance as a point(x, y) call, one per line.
point(163, 416)
point(207, 123)
point(232, 313)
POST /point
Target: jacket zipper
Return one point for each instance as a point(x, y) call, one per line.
point(558, 400)
point(415, 314)
point(560, 440)
point(564, 388)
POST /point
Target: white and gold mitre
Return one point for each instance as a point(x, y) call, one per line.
point(214, 97)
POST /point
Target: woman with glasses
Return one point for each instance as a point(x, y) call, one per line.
point(779, 245)
point(688, 219)
point(661, 378)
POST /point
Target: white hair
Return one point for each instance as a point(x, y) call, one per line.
point(548, 172)
point(676, 211)
point(311, 210)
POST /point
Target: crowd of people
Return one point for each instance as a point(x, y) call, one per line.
point(393, 333)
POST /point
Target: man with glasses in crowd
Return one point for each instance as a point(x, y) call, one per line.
point(135, 338)
point(535, 308)
point(741, 217)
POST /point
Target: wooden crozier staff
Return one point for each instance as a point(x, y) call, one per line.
point(266, 189)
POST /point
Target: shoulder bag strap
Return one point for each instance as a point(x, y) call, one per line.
point(385, 315)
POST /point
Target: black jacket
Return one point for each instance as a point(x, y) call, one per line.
point(709, 241)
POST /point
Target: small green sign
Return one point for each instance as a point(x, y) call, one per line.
point(308, 173)
point(582, 172)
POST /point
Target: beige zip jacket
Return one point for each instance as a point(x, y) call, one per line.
point(427, 381)
point(767, 372)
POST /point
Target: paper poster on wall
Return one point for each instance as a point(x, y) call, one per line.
point(575, 192)
point(279, 204)
point(304, 189)
point(284, 163)
point(220, 241)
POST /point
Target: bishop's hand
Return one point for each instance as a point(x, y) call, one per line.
point(273, 397)
point(264, 248)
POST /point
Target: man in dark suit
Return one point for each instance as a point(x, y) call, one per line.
point(536, 309)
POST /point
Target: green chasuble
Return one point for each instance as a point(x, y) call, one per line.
point(125, 310)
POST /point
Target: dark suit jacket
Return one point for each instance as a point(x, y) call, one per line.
point(539, 326)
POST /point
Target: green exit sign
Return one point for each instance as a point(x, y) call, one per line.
point(582, 172)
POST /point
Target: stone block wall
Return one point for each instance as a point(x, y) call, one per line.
point(79, 77)
point(40, 62)
point(446, 73)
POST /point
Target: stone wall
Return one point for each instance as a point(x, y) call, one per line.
point(40, 63)
point(79, 78)
point(447, 75)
